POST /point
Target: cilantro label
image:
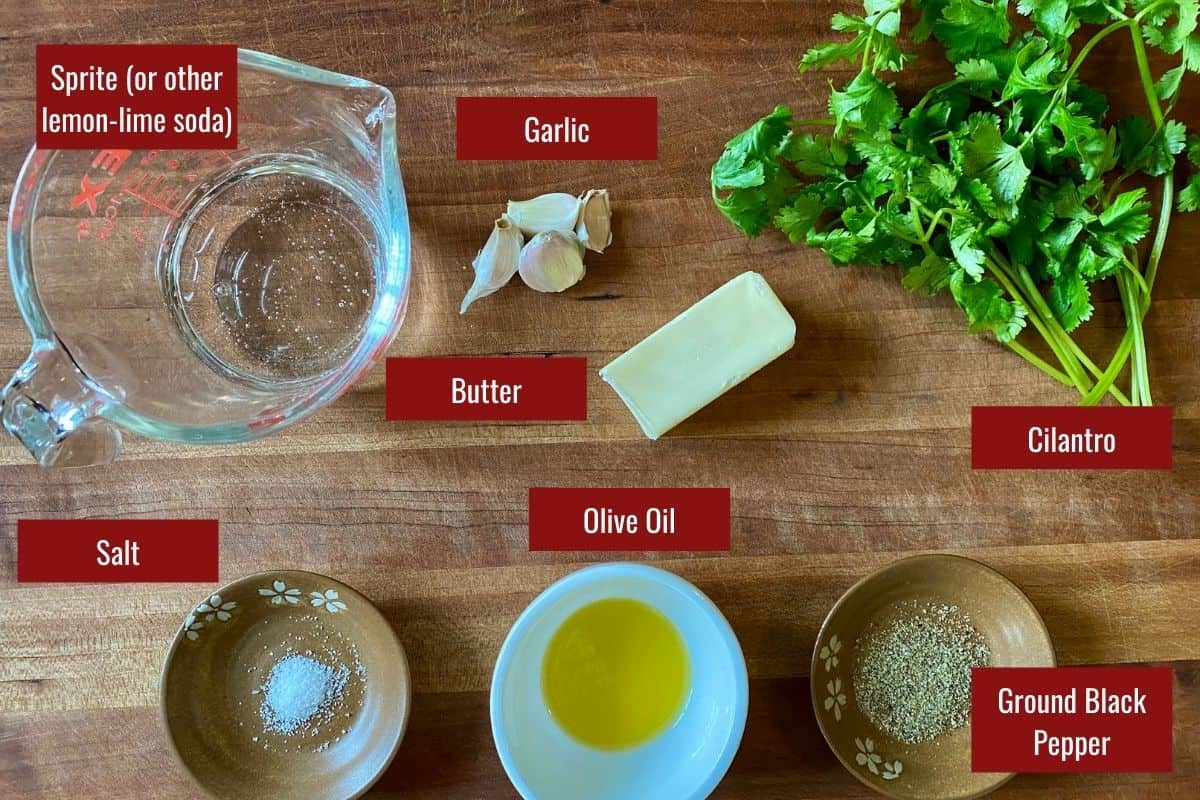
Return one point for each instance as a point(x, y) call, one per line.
point(1070, 437)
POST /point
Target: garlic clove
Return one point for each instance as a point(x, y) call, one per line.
point(552, 261)
point(557, 211)
point(496, 263)
point(595, 220)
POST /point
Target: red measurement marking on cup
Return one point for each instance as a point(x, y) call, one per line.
point(156, 191)
point(160, 187)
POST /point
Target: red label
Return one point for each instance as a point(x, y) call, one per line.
point(137, 96)
point(629, 519)
point(557, 128)
point(528, 389)
point(117, 551)
point(1071, 719)
point(1070, 437)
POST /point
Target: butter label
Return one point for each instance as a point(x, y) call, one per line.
point(518, 389)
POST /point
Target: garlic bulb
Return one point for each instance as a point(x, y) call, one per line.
point(495, 264)
point(556, 211)
point(552, 261)
point(595, 220)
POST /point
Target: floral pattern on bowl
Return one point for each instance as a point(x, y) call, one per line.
point(216, 609)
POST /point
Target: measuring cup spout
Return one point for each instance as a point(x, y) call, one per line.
point(52, 407)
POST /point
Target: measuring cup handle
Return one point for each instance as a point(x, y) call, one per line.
point(55, 411)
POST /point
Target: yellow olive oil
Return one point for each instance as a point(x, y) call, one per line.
point(616, 674)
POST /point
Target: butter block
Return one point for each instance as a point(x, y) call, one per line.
point(701, 354)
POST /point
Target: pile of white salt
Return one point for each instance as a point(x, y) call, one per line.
point(300, 694)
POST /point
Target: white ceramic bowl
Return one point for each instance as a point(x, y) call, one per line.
point(684, 763)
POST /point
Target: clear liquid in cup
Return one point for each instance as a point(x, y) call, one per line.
point(274, 275)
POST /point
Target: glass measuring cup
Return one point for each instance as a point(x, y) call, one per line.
point(209, 296)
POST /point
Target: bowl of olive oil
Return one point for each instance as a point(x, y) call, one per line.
point(619, 681)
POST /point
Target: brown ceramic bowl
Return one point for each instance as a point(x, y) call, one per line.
point(939, 769)
point(213, 699)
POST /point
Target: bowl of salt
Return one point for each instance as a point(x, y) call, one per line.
point(285, 684)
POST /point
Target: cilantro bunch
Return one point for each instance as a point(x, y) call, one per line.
point(1006, 186)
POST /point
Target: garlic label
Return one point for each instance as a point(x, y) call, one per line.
point(557, 211)
point(496, 263)
point(552, 261)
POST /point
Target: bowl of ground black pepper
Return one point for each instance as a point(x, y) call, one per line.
point(891, 672)
point(285, 685)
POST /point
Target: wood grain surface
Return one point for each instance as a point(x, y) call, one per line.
point(850, 451)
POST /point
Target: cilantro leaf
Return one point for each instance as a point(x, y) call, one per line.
point(1070, 299)
point(972, 28)
point(1058, 19)
point(986, 308)
point(1171, 38)
point(996, 163)
point(1126, 218)
point(1036, 63)
point(1094, 149)
point(963, 236)
point(748, 183)
point(814, 155)
point(842, 246)
point(748, 154)
point(1052, 17)
point(977, 70)
point(1167, 87)
point(877, 30)
point(866, 103)
point(798, 218)
point(931, 276)
point(823, 56)
point(1188, 198)
point(1094, 266)
point(1149, 151)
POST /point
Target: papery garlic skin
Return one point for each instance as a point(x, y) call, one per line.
point(556, 211)
point(552, 261)
point(496, 263)
point(594, 228)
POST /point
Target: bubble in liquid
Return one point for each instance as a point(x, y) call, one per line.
point(275, 289)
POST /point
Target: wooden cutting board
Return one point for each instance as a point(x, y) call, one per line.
point(848, 452)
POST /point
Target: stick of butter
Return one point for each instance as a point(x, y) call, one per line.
point(701, 354)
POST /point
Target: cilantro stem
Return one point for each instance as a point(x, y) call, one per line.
point(1104, 33)
point(1160, 235)
point(1064, 337)
point(1120, 357)
point(1065, 349)
point(1139, 383)
point(1038, 362)
point(1034, 317)
point(1143, 62)
point(1134, 342)
point(1061, 91)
